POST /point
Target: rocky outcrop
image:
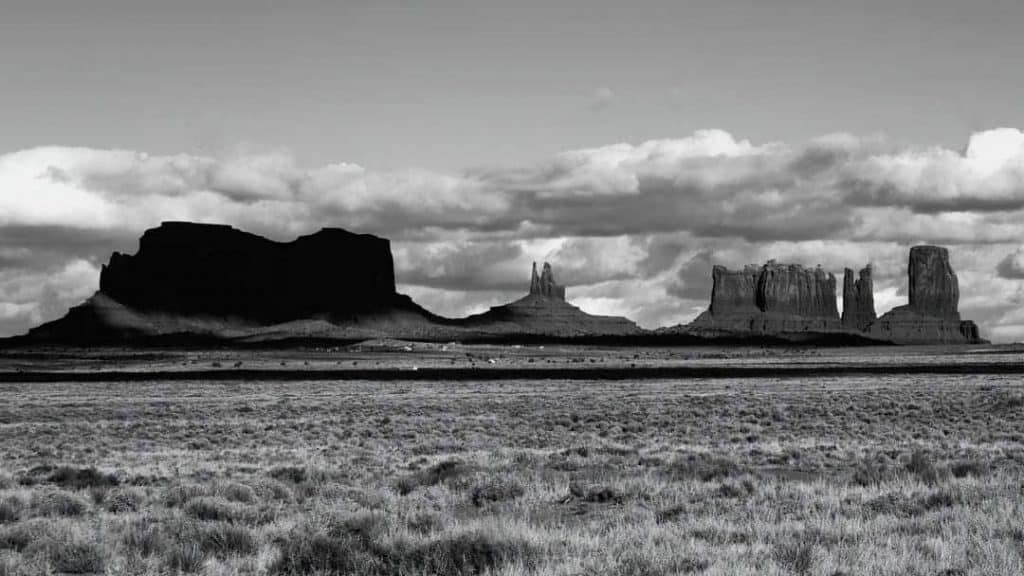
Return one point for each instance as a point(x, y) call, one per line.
point(858, 299)
point(545, 285)
point(931, 315)
point(771, 299)
point(544, 312)
point(214, 270)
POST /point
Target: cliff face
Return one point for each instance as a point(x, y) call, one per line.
point(213, 270)
point(932, 315)
point(771, 298)
point(858, 299)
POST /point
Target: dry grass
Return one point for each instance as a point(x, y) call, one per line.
point(844, 476)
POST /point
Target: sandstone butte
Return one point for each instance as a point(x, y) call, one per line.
point(192, 281)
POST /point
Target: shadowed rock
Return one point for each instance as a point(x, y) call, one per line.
point(858, 299)
point(770, 299)
point(545, 285)
point(931, 316)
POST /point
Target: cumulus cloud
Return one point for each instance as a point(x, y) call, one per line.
point(632, 228)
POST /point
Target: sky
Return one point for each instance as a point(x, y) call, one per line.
point(632, 145)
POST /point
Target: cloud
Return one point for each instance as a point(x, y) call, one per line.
point(632, 228)
point(1012, 266)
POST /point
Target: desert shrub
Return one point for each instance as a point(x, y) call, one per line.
point(796, 556)
point(635, 563)
point(184, 557)
point(424, 523)
point(81, 478)
point(271, 489)
point(69, 556)
point(445, 471)
point(18, 536)
point(178, 494)
point(473, 552)
point(237, 492)
point(293, 474)
point(596, 493)
point(6, 481)
point(870, 473)
point(121, 500)
point(15, 564)
point(495, 490)
point(57, 503)
point(669, 514)
point(11, 509)
point(923, 466)
point(965, 468)
point(733, 489)
point(143, 537)
point(214, 508)
point(223, 539)
point(359, 546)
point(703, 467)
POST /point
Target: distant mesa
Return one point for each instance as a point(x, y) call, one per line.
point(932, 314)
point(194, 283)
point(544, 311)
point(769, 299)
point(791, 300)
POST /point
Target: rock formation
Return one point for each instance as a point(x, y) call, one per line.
point(932, 315)
point(545, 285)
point(772, 298)
point(858, 299)
point(544, 312)
point(214, 270)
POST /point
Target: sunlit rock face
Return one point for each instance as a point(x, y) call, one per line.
point(770, 299)
point(858, 299)
point(931, 316)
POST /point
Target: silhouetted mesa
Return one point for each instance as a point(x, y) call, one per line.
point(544, 311)
point(770, 299)
point(215, 282)
point(215, 270)
point(858, 299)
point(932, 314)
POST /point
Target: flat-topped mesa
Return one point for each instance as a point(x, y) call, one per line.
point(545, 285)
point(858, 299)
point(795, 290)
point(771, 298)
point(932, 315)
point(215, 270)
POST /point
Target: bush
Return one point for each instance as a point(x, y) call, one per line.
point(924, 468)
point(185, 557)
point(57, 503)
point(222, 540)
point(179, 494)
point(703, 467)
point(18, 536)
point(214, 508)
point(358, 546)
point(797, 556)
point(596, 493)
point(11, 509)
point(13, 564)
point(964, 468)
point(69, 556)
point(144, 538)
point(121, 500)
point(81, 478)
point(495, 491)
point(237, 492)
point(443, 472)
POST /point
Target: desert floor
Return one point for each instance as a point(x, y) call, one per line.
point(908, 474)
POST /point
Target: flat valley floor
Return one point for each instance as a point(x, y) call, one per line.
point(832, 473)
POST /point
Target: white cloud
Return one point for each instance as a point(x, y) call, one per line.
point(630, 226)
